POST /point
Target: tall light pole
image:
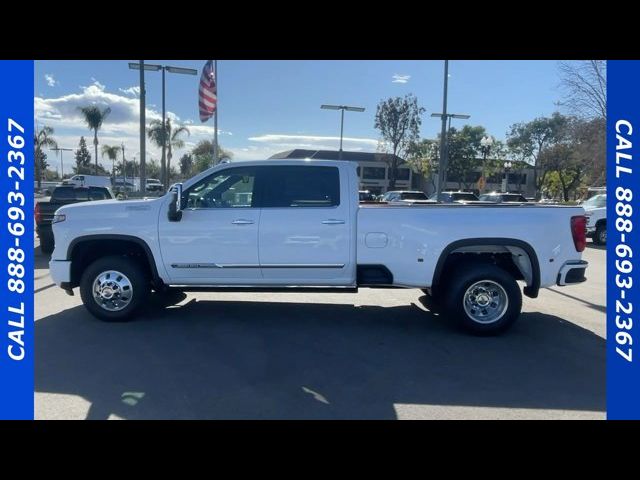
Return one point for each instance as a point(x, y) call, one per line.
point(485, 147)
point(58, 149)
point(444, 146)
point(342, 108)
point(163, 68)
point(507, 168)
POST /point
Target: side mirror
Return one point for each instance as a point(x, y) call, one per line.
point(175, 206)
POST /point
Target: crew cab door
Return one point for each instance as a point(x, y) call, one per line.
point(305, 234)
point(216, 241)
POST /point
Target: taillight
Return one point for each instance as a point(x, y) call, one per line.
point(579, 232)
point(37, 214)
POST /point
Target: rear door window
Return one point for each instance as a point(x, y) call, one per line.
point(301, 186)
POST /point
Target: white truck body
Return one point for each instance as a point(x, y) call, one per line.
point(90, 181)
point(339, 246)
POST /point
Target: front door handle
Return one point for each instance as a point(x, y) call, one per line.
point(242, 221)
point(333, 221)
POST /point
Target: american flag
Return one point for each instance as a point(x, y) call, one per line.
point(208, 95)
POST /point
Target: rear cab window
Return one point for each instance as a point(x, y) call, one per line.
point(301, 186)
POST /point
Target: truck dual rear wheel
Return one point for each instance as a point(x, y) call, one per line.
point(112, 288)
point(484, 299)
point(600, 237)
point(46, 246)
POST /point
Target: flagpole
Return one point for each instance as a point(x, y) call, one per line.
point(215, 118)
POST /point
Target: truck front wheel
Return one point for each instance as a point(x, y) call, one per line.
point(112, 288)
point(485, 299)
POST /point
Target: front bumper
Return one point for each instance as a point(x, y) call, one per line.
point(60, 271)
point(572, 272)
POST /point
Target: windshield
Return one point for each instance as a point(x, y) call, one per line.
point(468, 197)
point(413, 196)
point(513, 198)
point(598, 201)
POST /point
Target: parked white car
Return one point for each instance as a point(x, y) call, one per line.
point(89, 181)
point(596, 212)
point(287, 224)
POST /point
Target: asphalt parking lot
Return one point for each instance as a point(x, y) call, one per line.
point(377, 354)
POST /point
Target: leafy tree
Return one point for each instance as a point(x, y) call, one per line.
point(528, 140)
point(94, 117)
point(464, 158)
point(186, 164)
point(584, 85)
point(168, 140)
point(111, 152)
point(398, 119)
point(205, 147)
point(82, 158)
point(42, 139)
point(423, 158)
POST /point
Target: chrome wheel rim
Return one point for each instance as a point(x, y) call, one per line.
point(112, 290)
point(485, 301)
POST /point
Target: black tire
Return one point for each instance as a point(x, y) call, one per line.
point(454, 305)
point(140, 286)
point(46, 246)
point(600, 237)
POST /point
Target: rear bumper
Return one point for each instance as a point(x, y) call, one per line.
point(572, 272)
point(60, 271)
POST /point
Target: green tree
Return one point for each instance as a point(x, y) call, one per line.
point(464, 158)
point(528, 140)
point(205, 147)
point(423, 158)
point(94, 118)
point(398, 120)
point(111, 152)
point(169, 138)
point(186, 165)
point(41, 140)
point(82, 158)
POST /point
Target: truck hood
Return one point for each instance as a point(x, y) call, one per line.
point(104, 206)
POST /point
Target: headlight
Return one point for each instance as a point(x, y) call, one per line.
point(59, 217)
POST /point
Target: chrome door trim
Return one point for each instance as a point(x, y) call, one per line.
point(302, 265)
point(251, 265)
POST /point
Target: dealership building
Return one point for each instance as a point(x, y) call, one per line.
point(373, 168)
point(373, 172)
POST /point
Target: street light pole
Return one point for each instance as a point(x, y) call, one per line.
point(485, 146)
point(58, 149)
point(443, 133)
point(165, 68)
point(342, 108)
point(143, 138)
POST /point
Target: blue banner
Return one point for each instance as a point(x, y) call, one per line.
point(623, 246)
point(16, 239)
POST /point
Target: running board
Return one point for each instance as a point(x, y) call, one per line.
point(267, 289)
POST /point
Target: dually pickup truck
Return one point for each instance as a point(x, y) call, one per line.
point(297, 224)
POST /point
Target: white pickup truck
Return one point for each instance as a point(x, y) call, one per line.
point(283, 224)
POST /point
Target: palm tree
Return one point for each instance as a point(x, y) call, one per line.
point(93, 117)
point(112, 154)
point(42, 139)
point(173, 140)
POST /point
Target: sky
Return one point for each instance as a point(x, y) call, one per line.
point(268, 106)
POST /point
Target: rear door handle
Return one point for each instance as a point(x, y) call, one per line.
point(333, 221)
point(242, 221)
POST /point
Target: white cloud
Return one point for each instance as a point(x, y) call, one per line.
point(98, 84)
point(122, 125)
point(268, 144)
point(51, 81)
point(134, 91)
point(400, 78)
point(313, 141)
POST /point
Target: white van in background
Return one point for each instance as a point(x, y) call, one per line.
point(89, 181)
